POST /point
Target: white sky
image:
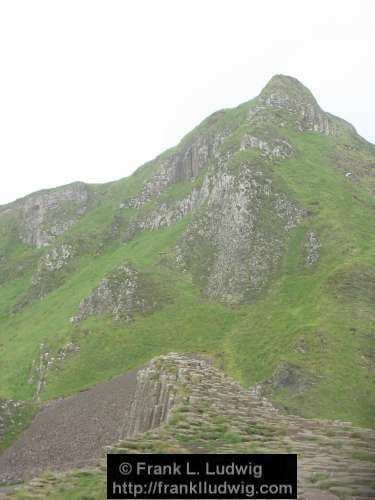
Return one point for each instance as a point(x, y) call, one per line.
point(91, 89)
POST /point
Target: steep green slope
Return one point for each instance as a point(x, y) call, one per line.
point(258, 230)
point(319, 318)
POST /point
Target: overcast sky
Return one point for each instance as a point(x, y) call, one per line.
point(90, 90)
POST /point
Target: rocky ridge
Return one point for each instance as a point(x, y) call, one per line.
point(233, 194)
point(183, 165)
point(239, 219)
point(299, 107)
point(206, 411)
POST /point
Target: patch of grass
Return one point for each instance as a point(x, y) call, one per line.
point(70, 486)
point(231, 437)
point(16, 421)
point(319, 476)
point(362, 455)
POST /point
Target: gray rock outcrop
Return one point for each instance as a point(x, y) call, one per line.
point(45, 215)
point(155, 395)
point(238, 229)
point(277, 149)
point(52, 262)
point(184, 165)
point(296, 102)
point(45, 361)
point(120, 294)
point(237, 253)
point(311, 248)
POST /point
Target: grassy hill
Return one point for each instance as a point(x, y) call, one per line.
point(256, 237)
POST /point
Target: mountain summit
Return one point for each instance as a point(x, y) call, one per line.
point(251, 241)
point(293, 102)
point(289, 87)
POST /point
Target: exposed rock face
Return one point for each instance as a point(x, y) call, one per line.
point(45, 215)
point(240, 222)
point(45, 361)
point(238, 230)
point(49, 274)
point(38, 370)
point(166, 214)
point(238, 254)
point(288, 96)
point(54, 260)
point(279, 149)
point(120, 294)
point(184, 165)
point(311, 248)
point(155, 394)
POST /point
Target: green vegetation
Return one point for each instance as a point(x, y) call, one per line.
point(327, 307)
point(82, 484)
point(330, 306)
point(15, 418)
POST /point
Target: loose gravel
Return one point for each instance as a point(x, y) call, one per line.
point(70, 432)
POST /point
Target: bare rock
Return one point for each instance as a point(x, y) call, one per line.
point(120, 294)
point(231, 254)
point(44, 215)
point(311, 248)
point(236, 254)
point(278, 149)
point(45, 361)
point(155, 394)
point(296, 102)
point(51, 262)
point(184, 165)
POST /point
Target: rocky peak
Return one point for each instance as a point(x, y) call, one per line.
point(287, 89)
point(294, 104)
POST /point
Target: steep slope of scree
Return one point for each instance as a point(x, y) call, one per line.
point(71, 432)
